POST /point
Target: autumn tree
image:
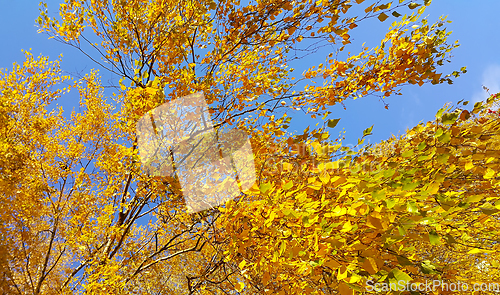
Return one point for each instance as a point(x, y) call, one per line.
point(80, 215)
point(418, 208)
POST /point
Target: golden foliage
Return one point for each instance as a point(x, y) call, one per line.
point(80, 216)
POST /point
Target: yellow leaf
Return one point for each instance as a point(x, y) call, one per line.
point(475, 198)
point(490, 159)
point(382, 17)
point(265, 278)
point(490, 173)
point(346, 227)
point(239, 286)
point(332, 263)
point(474, 251)
point(369, 8)
point(342, 273)
point(374, 222)
point(325, 178)
point(287, 166)
point(370, 266)
point(476, 129)
point(344, 289)
point(150, 90)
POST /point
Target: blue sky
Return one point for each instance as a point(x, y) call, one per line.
point(475, 24)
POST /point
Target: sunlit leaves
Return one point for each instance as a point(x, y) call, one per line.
point(415, 192)
point(384, 63)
